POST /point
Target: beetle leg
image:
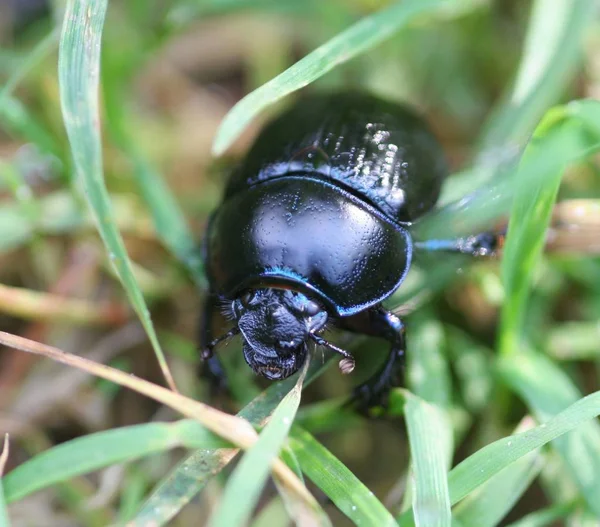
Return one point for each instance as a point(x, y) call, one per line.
point(375, 390)
point(211, 368)
point(482, 244)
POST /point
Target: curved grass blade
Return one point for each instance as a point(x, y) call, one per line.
point(552, 51)
point(362, 36)
point(547, 390)
point(249, 477)
point(78, 73)
point(192, 474)
point(15, 117)
point(562, 139)
point(491, 502)
point(430, 439)
point(348, 493)
point(491, 459)
point(41, 50)
point(236, 430)
point(551, 54)
point(95, 451)
point(554, 515)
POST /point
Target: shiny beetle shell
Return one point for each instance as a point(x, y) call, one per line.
point(323, 201)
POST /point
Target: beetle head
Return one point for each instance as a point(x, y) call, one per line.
point(276, 325)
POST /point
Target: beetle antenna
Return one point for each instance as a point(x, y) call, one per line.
point(347, 363)
point(207, 352)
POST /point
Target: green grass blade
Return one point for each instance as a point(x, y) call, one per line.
point(547, 390)
point(182, 484)
point(554, 515)
point(362, 36)
point(78, 72)
point(95, 451)
point(430, 439)
point(247, 481)
point(348, 493)
point(192, 474)
point(169, 222)
point(17, 120)
point(491, 459)
point(560, 135)
point(42, 49)
point(428, 373)
point(553, 49)
point(561, 141)
point(495, 457)
point(491, 502)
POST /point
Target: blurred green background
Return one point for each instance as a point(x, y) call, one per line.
point(483, 73)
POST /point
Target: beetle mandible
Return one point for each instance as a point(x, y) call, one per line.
point(314, 231)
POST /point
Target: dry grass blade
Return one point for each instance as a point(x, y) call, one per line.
point(232, 428)
point(34, 305)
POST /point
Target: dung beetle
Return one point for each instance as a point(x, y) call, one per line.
point(314, 232)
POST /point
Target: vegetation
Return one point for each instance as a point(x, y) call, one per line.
point(109, 116)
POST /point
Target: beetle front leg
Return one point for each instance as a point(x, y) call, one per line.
point(211, 368)
point(375, 390)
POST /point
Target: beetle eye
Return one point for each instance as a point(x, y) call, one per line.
point(246, 298)
point(311, 308)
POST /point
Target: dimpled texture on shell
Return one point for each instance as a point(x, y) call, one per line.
point(311, 235)
point(380, 150)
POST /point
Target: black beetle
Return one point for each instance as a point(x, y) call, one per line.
point(313, 231)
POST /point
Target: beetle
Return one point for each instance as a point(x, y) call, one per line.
point(314, 231)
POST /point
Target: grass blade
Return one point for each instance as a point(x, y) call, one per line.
point(547, 391)
point(102, 449)
point(78, 72)
point(544, 517)
point(362, 36)
point(246, 483)
point(527, 226)
point(430, 438)
point(494, 499)
point(428, 373)
point(348, 493)
point(236, 430)
point(495, 457)
point(552, 52)
point(190, 476)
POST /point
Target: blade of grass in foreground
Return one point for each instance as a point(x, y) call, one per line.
point(430, 439)
point(487, 506)
point(547, 390)
point(246, 483)
point(95, 451)
point(192, 474)
point(78, 73)
point(491, 459)
point(235, 429)
point(362, 36)
point(348, 493)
